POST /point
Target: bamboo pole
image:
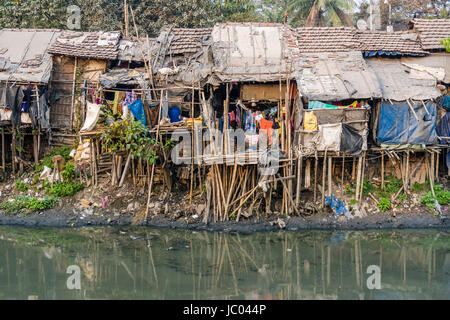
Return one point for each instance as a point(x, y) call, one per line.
point(3, 150)
point(299, 180)
point(125, 171)
point(73, 92)
point(192, 149)
point(330, 174)
point(150, 186)
point(343, 173)
point(358, 179)
point(437, 168)
point(316, 168)
point(382, 171)
point(362, 177)
point(324, 175)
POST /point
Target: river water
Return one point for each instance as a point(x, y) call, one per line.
point(142, 263)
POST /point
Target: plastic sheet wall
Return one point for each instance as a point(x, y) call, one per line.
point(398, 125)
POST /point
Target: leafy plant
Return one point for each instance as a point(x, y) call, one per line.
point(68, 172)
point(384, 204)
point(130, 136)
point(349, 190)
point(368, 187)
point(22, 186)
point(442, 197)
point(28, 202)
point(48, 162)
point(419, 187)
point(446, 44)
point(64, 189)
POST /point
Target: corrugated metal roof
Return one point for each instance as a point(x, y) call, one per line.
point(431, 32)
point(399, 83)
point(251, 51)
point(96, 45)
point(24, 54)
point(335, 76)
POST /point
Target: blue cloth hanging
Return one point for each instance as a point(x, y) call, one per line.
point(137, 109)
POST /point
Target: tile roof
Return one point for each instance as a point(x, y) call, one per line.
point(403, 43)
point(188, 40)
point(97, 45)
point(431, 32)
point(327, 39)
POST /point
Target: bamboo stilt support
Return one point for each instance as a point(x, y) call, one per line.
point(299, 181)
point(382, 171)
point(358, 179)
point(330, 175)
point(324, 175)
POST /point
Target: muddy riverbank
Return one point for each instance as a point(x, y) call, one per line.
point(71, 218)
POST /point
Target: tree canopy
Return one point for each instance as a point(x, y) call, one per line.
point(152, 15)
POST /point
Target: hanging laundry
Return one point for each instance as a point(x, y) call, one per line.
point(119, 97)
point(137, 109)
point(311, 122)
point(266, 126)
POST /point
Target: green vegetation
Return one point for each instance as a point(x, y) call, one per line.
point(368, 187)
point(64, 189)
point(22, 186)
point(442, 197)
point(67, 188)
point(446, 44)
point(47, 161)
point(28, 202)
point(384, 204)
point(130, 136)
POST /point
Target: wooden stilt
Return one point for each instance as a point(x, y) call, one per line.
point(308, 174)
point(354, 169)
point(3, 150)
point(343, 173)
point(437, 168)
point(13, 151)
point(407, 172)
point(330, 176)
point(382, 171)
point(362, 177)
point(358, 179)
point(35, 149)
point(299, 180)
point(316, 169)
point(125, 171)
point(324, 176)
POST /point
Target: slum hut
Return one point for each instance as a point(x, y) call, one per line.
point(79, 58)
point(404, 121)
point(337, 92)
point(431, 33)
point(248, 107)
point(25, 72)
point(181, 65)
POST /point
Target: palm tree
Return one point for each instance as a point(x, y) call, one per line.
point(296, 11)
point(330, 12)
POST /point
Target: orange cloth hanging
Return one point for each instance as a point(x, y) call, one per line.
point(266, 126)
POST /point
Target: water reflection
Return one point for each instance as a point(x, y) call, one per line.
point(140, 263)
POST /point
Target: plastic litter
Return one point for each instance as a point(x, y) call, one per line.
point(338, 207)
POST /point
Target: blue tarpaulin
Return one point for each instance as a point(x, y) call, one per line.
point(444, 131)
point(398, 125)
point(137, 109)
